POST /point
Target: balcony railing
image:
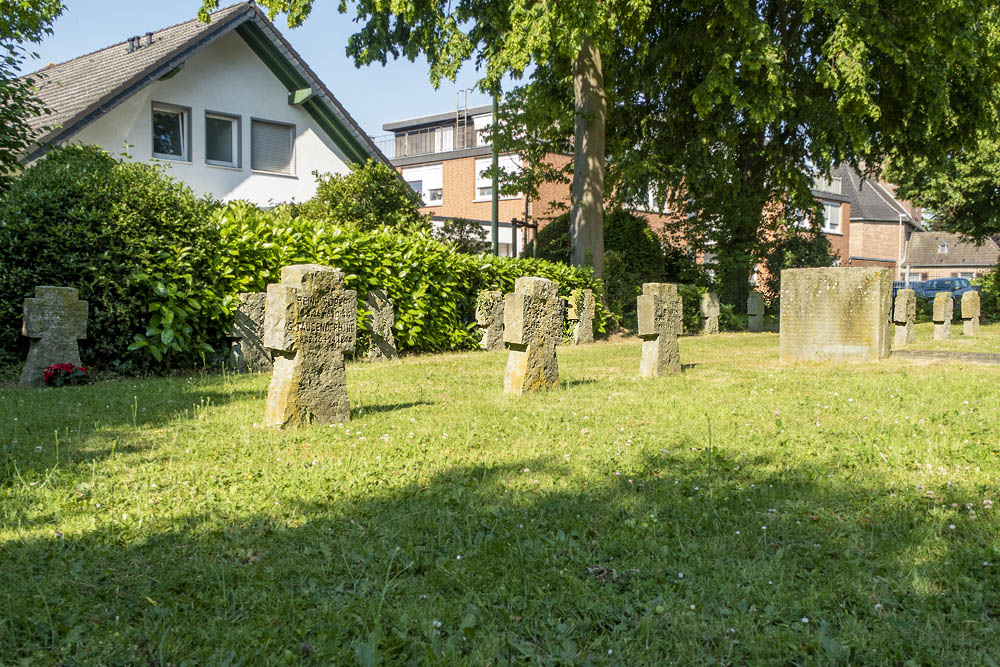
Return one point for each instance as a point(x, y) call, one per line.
point(426, 141)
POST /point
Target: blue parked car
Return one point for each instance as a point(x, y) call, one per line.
point(955, 286)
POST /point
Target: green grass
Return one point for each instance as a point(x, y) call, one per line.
point(819, 514)
point(987, 341)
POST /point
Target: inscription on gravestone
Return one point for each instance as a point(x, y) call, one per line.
point(54, 320)
point(944, 310)
point(532, 327)
point(247, 351)
point(383, 343)
point(755, 312)
point(489, 316)
point(660, 311)
point(709, 307)
point(580, 309)
point(970, 314)
point(310, 322)
point(835, 314)
point(904, 315)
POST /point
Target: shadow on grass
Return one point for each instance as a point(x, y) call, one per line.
point(372, 409)
point(492, 565)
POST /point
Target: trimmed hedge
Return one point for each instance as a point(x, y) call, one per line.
point(82, 218)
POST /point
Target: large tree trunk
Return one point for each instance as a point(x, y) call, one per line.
point(587, 212)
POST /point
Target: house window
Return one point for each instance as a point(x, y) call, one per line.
point(171, 132)
point(222, 140)
point(942, 248)
point(924, 276)
point(510, 164)
point(272, 147)
point(428, 182)
point(831, 218)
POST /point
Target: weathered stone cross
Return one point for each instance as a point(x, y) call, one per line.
point(660, 321)
point(54, 320)
point(310, 322)
point(532, 327)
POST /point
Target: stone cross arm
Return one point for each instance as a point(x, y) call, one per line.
point(55, 311)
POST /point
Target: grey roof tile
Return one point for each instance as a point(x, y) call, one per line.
point(869, 199)
point(923, 251)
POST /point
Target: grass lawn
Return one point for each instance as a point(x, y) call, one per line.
point(987, 341)
point(742, 512)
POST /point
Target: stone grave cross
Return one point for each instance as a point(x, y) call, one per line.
point(970, 314)
point(709, 306)
point(532, 327)
point(660, 314)
point(904, 314)
point(755, 311)
point(944, 309)
point(54, 320)
point(489, 317)
point(383, 343)
point(580, 309)
point(309, 323)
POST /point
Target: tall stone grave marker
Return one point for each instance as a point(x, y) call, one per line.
point(532, 327)
point(660, 322)
point(54, 320)
point(709, 306)
point(944, 310)
point(970, 314)
point(489, 316)
point(904, 314)
point(309, 324)
point(581, 311)
point(247, 351)
point(383, 343)
point(835, 314)
point(755, 311)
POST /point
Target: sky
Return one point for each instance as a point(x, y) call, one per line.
point(373, 95)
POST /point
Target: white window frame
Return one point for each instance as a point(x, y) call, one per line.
point(831, 218)
point(431, 180)
point(185, 115)
point(507, 162)
point(237, 133)
point(291, 136)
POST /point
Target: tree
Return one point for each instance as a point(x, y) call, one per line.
point(370, 196)
point(504, 37)
point(962, 190)
point(469, 237)
point(26, 21)
point(728, 111)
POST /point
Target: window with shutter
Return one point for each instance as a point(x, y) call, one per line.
point(272, 147)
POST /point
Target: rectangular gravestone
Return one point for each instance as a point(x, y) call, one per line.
point(904, 315)
point(532, 328)
point(580, 310)
point(709, 307)
point(755, 312)
point(382, 343)
point(54, 320)
point(247, 351)
point(970, 314)
point(489, 317)
point(310, 322)
point(660, 311)
point(944, 310)
point(835, 314)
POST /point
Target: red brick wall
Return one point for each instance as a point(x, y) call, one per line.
point(459, 192)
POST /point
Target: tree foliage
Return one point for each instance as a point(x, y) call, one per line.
point(22, 21)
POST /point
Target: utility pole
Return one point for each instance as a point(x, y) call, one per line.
point(495, 220)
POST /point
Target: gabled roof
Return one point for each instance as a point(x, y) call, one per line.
point(81, 90)
point(924, 250)
point(870, 200)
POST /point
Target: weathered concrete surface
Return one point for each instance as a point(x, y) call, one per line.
point(247, 351)
point(904, 315)
point(310, 322)
point(709, 307)
point(55, 319)
point(835, 314)
point(660, 311)
point(489, 316)
point(532, 328)
point(382, 342)
point(580, 309)
point(755, 312)
point(970, 314)
point(944, 310)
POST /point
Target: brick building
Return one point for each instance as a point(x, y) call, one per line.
point(945, 255)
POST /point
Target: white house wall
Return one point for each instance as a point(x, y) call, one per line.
point(225, 77)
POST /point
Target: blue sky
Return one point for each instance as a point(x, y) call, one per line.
point(373, 95)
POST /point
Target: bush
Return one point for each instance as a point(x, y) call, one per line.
point(798, 249)
point(989, 296)
point(371, 196)
point(81, 218)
